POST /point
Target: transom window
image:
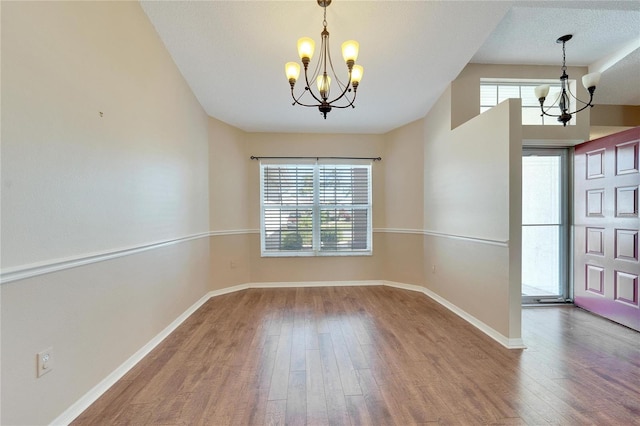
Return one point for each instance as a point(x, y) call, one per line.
point(315, 209)
point(493, 91)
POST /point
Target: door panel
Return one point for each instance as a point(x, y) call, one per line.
point(606, 267)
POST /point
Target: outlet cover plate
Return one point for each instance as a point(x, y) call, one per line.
point(44, 361)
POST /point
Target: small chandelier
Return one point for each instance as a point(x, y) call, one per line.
point(589, 81)
point(320, 75)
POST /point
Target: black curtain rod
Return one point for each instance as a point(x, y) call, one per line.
point(317, 158)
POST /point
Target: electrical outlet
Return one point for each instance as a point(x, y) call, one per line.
point(433, 269)
point(44, 362)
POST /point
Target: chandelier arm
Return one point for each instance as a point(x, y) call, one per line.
point(586, 105)
point(579, 100)
point(350, 104)
point(296, 101)
point(335, 74)
point(546, 113)
point(344, 92)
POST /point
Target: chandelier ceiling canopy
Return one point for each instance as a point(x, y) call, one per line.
point(321, 98)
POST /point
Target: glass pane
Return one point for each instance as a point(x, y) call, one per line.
point(529, 96)
point(288, 229)
point(541, 260)
point(541, 190)
point(344, 229)
point(488, 95)
point(344, 185)
point(288, 185)
point(506, 92)
point(531, 116)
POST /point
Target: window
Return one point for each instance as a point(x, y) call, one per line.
point(315, 209)
point(493, 91)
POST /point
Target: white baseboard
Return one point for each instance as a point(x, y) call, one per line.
point(489, 331)
point(227, 290)
point(295, 284)
point(96, 392)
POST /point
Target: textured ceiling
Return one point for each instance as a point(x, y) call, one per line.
point(232, 53)
point(613, 29)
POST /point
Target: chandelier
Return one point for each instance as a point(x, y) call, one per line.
point(589, 81)
point(320, 75)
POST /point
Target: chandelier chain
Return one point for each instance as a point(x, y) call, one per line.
point(324, 21)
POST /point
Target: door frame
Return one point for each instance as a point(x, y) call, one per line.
point(566, 214)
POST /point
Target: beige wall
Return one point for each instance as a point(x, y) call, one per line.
point(133, 175)
point(153, 168)
point(297, 269)
point(472, 212)
point(404, 173)
point(615, 115)
point(313, 269)
point(609, 119)
point(465, 92)
point(76, 184)
point(401, 237)
point(329, 145)
point(229, 210)
point(229, 167)
point(95, 317)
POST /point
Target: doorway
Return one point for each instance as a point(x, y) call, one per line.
point(545, 226)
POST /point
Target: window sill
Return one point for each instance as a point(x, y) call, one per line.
point(318, 254)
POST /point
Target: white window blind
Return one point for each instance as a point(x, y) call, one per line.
point(315, 209)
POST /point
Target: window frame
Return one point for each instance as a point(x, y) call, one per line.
point(316, 208)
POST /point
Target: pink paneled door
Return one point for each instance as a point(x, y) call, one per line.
point(606, 266)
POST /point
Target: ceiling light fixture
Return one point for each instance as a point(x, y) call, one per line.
point(589, 81)
point(306, 46)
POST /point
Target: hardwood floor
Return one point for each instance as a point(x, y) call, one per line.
point(375, 355)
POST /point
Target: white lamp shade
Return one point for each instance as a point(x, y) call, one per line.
point(356, 74)
point(292, 69)
point(306, 46)
point(591, 80)
point(350, 50)
point(323, 81)
point(541, 91)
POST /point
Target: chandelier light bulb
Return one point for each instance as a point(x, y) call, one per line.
point(542, 91)
point(350, 50)
point(356, 75)
point(591, 80)
point(306, 46)
point(292, 69)
point(323, 82)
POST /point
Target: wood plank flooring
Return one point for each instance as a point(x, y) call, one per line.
point(374, 355)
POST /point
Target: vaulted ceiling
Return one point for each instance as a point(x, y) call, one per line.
point(232, 53)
